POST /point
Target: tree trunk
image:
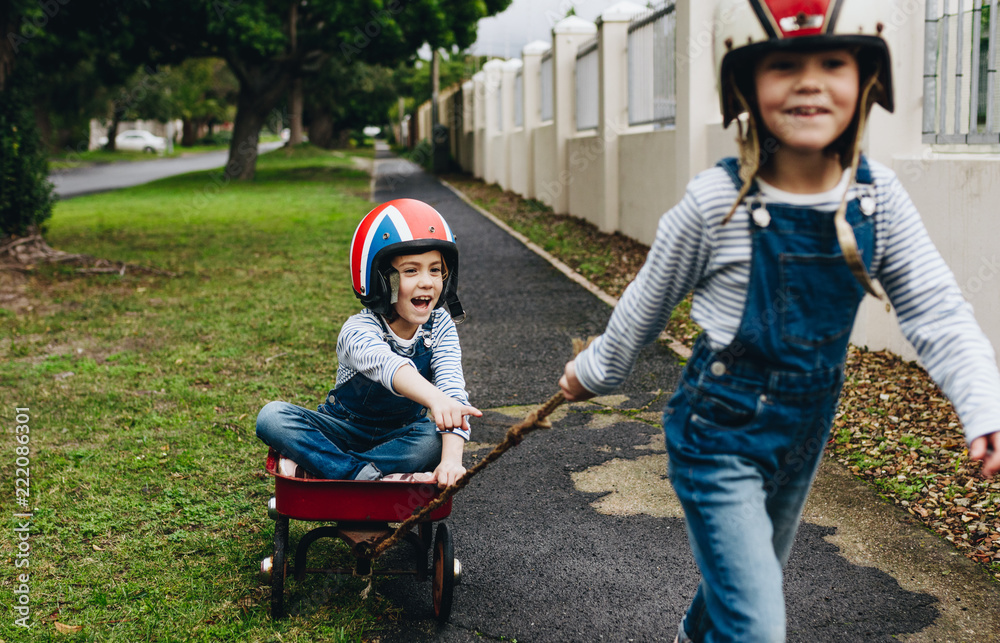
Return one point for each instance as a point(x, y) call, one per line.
point(295, 97)
point(262, 86)
point(189, 132)
point(295, 113)
point(321, 129)
point(112, 133)
point(7, 53)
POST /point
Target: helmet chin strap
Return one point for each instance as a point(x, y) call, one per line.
point(845, 233)
point(749, 146)
point(393, 286)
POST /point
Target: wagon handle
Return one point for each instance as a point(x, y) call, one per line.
point(537, 419)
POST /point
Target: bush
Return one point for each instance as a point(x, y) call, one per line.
point(222, 137)
point(25, 192)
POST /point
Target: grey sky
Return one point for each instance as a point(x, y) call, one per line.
point(506, 34)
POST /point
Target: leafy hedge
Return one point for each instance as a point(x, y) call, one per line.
point(25, 193)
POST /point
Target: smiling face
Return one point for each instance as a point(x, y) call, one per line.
point(806, 99)
point(421, 279)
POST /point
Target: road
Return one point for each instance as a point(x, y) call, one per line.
point(101, 178)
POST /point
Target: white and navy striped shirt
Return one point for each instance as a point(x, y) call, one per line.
point(692, 251)
point(362, 348)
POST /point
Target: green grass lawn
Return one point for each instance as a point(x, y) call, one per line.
point(146, 482)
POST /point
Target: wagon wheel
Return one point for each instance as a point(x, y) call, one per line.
point(443, 582)
point(278, 568)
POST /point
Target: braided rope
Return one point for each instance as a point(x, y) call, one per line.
point(535, 420)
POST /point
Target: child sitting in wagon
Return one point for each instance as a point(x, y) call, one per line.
point(399, 405)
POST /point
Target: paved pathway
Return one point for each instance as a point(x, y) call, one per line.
point(575, 534)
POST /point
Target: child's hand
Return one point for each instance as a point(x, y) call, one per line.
point(448, 473)
point(448, 413)
point(987, 449)
point(451, 469)
point(572, 390)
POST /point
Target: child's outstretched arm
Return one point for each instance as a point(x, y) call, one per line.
point(987, 449)
point(448, 414)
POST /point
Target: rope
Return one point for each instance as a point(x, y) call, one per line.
point(535, 420)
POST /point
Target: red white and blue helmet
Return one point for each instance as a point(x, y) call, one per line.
point(400, 227)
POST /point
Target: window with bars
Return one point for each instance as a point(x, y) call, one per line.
point(960, 80)
point(652, 84)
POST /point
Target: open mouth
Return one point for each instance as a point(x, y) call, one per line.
point(807, 111)
point(422, 303)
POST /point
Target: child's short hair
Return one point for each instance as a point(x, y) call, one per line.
point(400, 227)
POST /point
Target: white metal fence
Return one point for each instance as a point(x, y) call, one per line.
point(652, 68)
point(498, 97)
point(545, 77)
point(961, 100)
point(519, 99)
point(587, 91)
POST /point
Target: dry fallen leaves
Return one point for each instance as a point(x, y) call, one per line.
point(895, 429)
point(62, 628)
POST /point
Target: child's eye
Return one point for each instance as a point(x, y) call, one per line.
point(780, 65)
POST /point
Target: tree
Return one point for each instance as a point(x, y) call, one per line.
point(203, 92)
point(344, 97)
point(25, 193)
point(254, 38)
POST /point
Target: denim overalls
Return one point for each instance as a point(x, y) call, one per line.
point(747, 426)
point(363, 430)
point(363, 401)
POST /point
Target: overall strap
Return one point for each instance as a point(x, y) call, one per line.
point(864, 174)
point(731, 165)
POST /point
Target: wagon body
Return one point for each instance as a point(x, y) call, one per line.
point(362, 512)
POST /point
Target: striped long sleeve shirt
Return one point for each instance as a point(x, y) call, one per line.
point(362, 348)
point(693, 251)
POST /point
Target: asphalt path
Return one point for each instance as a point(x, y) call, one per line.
point(540, 562)
point(90, 179)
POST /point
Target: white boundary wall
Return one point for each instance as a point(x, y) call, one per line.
point(622, 178)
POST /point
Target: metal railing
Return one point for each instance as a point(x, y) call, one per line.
point(519, 99)
point(961, 100)
point(547, 81)
point(498, 96)
point(652, 69)
point(587, 92)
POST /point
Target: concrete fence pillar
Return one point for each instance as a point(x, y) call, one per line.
point(492, 71)
point(508, 76)
point(612, 107)
point(697, 99)
point(567, 36)
point(479, 124)
point(531, 96)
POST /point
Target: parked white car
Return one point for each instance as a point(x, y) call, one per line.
point(137, 140)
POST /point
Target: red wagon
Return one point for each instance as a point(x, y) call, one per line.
point(362, 512)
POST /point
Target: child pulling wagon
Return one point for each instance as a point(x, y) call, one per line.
point(778, 247)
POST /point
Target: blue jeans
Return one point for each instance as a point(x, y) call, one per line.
point(742, 461)
point(335, 449)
